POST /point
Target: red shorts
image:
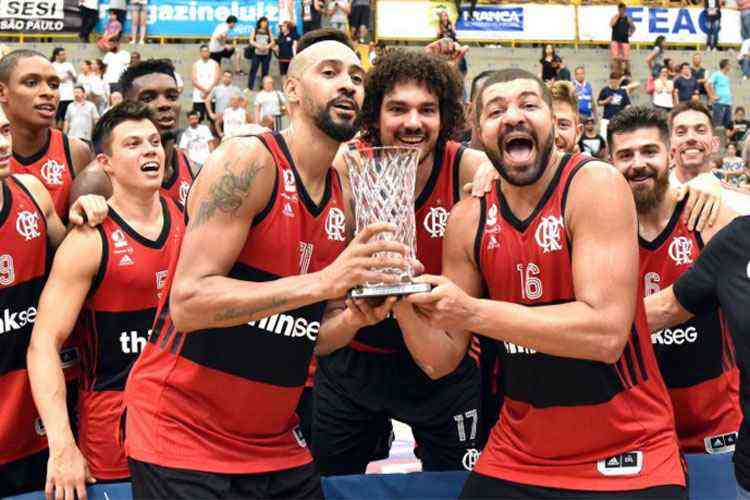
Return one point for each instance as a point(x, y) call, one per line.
point(620, 50)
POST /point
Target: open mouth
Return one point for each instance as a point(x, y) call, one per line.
point(345, 105)
point(519, 149)
point(411, 140)
point(151, 166)
point(4, 160)
point(641, 176)
point(166, 121)
point(47, 110)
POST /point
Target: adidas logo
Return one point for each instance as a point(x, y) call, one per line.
point(126, 261)
point(626, 464)
point(724, 443)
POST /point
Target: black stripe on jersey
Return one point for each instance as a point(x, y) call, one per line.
point(312, 207)
point(7, 203)
point(522, 225)
point(102, 263)
point(167, 335)
point(627, 355)
point(667, 231)
point(159, 323)
point(120, 336)
point(156, 244)
point(457, 174)
point(267, 209)
point(569, 180)
point(176, 343)
point(638, 353)
point(16, 322)
point(23, 188)
point(480, 233)
point(168, 183)
point(28, 160)
point(274, 350)
point(68, 156)
point(619, 367)
point(437, 166)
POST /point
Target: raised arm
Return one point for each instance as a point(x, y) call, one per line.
point(59, 306)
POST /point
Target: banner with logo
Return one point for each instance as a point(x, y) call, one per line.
point(684, 25)
point(418, 20)
point(198, 18)
point(39, 16)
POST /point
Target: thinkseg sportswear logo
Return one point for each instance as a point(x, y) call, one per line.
point(10, 321)
point(288, 326)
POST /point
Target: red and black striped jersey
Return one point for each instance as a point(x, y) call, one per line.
point(568, 423)
point(223, 400)
point(696, 358)
point(53, 165)
point(24, 265)
point(113, 326)
point(178, 185)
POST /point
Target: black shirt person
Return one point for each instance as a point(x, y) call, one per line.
point(720, 276)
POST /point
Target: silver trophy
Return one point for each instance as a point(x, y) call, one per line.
point(383, 180)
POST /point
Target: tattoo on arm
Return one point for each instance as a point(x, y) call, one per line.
point(227, 192)
point(239, 312)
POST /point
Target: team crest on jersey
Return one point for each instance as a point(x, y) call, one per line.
point(491, 216)
point(681, 250)
point(118, 238)
point(289, 184)
point(184, 190)
point(470, 458)
point(27, 225)
point(549, 234)
point(435, 222)
point(336, 225)
point(52, 172)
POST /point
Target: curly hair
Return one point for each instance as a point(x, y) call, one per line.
point(402, 66)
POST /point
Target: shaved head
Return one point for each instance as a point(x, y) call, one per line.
point(318, 52)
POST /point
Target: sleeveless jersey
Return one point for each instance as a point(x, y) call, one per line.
point(178, 185)
point(431, 208)
point(24, 262)
point(568, 423)
point(696, 358)
point(223, 400)
point(113, 326)
point(53, 165)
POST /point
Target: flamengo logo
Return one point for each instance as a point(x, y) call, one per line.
point(435, 221)
point(27, 225)
point(184, 190)
point(335, 224)
point(52, 172)
point(288, 326)
point(681, 250)
point(11, 321)
point(677, 336)
point(548, 234)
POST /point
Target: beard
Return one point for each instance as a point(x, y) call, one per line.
point(340, 131)
point(648, 199)
point(533, 172)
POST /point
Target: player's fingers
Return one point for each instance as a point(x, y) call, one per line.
point(385, 261)
point(372, 229)
point(469, 188)
point(421, 299)
point(689, 204)
point(68, 491)
point(705, 214)
point(696, 211)
point(81, 490)
point(715, 211)
point(49, 488)
point(432, 279)
point(374, 247)
point(378, 277)
point(354, 309)
point(417, 267)
point(75, 218)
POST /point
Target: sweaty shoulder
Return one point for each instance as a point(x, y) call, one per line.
point(81, 240)
point(597, 185)
point(81, 154)
point(597, 175)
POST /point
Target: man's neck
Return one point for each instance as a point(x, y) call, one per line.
point(652, 223)
point(312, 152)
point(524, 199)
point(134, 205)
point(685, 174)
point(27, 142)
point(590, 135)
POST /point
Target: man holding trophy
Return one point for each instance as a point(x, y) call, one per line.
point(412, 102)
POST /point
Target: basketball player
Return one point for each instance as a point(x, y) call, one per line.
point(696, 358)
point(115, 292)
point(232, 344)
point(693, 141)
point(412, 99)
point(152, 83)
point(29, 229)
point(586, 413)
point(29, 95)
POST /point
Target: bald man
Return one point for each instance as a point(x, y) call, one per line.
point(211, 399)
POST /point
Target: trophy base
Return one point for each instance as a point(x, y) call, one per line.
point(368, 292)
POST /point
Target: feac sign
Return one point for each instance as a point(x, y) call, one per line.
point(491, 19)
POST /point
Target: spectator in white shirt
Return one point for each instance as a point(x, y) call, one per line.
point(98, 88)
point(81, 116)
point(268, 103)
point(205, 76)
point(197, 140)
point(218, 99)
point(234, 116)
point(116, 62)
point(67, 74)
point(219, 46)
point(84, 77)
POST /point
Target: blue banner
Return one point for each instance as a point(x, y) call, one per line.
point(198, 18)
point(490, 18)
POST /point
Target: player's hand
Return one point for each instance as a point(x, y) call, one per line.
point(366, 312)
point(481, 184)
point(89, 208)
point(356, 265)
point(67, 474)
point(704, 194)
point(446, 307)
point(446, 47)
